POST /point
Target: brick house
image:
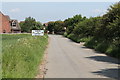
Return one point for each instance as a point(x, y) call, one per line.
point(7, 25)
point(4, 24)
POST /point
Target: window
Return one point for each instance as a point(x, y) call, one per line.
point(13, 23)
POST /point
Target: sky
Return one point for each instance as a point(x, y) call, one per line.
point(59, 0)
point(52, 11)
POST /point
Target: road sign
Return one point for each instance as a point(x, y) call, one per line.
point(37, 32)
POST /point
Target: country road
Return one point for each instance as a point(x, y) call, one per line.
point(67, 59)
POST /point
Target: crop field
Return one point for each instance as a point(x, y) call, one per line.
point(22, 54)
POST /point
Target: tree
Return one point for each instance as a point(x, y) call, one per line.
point(30, 24)
point(50, 26)
point(58, 26)
point(37, 26)
point(70, 23)
point(109, 19)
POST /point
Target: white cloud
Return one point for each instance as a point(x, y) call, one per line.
point(15, 10)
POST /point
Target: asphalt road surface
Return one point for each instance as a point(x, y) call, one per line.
point(67, 59)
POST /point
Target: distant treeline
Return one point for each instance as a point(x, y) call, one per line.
point(101, 33)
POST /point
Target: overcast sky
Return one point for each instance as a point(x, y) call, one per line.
point(51, 11)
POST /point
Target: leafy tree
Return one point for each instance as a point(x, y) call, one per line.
point(37, 26)
point(22, 26)
point(30, 24)
point(70, 23)
point(50, 26)
point(107, 19)
point(58, 26)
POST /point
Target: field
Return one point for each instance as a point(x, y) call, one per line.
point(22, 54)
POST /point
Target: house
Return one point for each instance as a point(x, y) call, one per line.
point(4, 24)
point(8, 25)
point(15, 27)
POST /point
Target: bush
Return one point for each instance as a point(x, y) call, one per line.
point(102, 47)
point(73, 37)
point(65, 34)
point(92, 43)
point(77, 38)
point(84, 39)
point(113, 51)
point(107, 47)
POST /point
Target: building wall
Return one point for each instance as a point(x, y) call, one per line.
point(0, 22)
point(4, 24)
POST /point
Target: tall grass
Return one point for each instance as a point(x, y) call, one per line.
point(22, 55)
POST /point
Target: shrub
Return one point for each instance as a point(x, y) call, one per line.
point(107, 47)
point(92, 43)
point(84, 39)
point(102, 47)
point(73, 37)
point(65, 34)
point(113, 51)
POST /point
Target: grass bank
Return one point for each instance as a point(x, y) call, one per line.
point(22, 54)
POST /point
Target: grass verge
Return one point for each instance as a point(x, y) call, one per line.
point(22, 54)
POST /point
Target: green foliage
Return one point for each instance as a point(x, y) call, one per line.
point(100, 33)
point(84, 39)
point(22, 54)
point(30, 24)
point(69, 29)
point(114, 51)
point(65, 34)
point(92, 43)
point(110, 22)
point(102, 46)
point(87, 27)
point(70, 23)
point(50, 26)
point(57, 27)
point(75, 19)
point(73, 37)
